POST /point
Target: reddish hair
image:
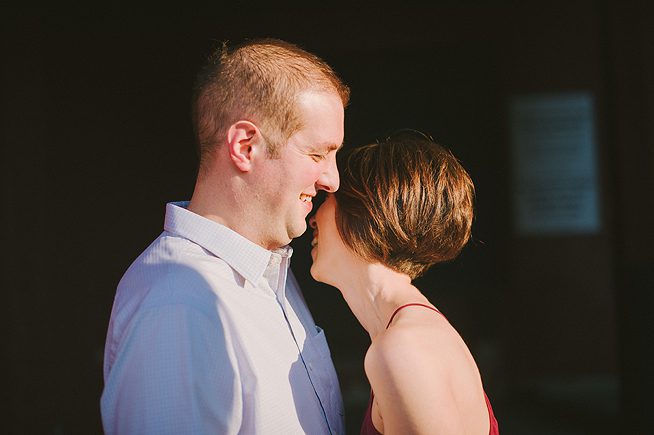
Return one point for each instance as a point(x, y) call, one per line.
point(405, 202)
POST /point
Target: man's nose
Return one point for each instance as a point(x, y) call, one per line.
point(329, 178)
point(312, 221)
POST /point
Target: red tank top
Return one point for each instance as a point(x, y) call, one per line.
point(367, 428)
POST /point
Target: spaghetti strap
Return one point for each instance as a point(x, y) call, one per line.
point(409, 305)
point(368, 427)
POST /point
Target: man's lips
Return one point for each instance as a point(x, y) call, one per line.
point(308, 205)
point(307, 200)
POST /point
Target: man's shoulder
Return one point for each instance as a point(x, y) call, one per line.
point(174, 270)
point(174, 255)
point(173, 274)
point(173, 249)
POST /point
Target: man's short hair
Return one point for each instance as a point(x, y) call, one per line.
point(259, 81)
point(405, 202)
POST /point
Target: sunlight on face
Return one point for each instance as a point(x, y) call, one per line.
point(307, 164)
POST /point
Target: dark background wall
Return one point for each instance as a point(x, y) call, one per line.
point(96, 137)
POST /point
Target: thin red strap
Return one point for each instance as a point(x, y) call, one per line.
point(409, 305)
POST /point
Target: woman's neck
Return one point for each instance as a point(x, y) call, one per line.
point(374, 291)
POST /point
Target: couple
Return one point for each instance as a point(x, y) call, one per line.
point(209, 332)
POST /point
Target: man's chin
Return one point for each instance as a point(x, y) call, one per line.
point(297, 231)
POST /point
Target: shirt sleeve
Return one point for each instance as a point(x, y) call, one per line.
point(173, 373)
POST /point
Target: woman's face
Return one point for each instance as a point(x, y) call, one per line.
point(328, 250)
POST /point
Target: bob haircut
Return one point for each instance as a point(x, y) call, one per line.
point(405, 202)
point(258, 80)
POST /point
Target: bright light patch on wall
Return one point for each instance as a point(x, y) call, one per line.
point(553, 152)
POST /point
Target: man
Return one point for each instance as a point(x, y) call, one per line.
point(209, 332)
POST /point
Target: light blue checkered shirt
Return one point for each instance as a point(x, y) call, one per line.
point(209, 334)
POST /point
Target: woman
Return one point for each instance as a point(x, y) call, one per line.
point(404, 204)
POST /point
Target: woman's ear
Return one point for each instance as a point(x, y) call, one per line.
point(241, 138)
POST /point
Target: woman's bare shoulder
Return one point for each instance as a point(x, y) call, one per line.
point(422, 375)
point(412, 345)
point(411, 380)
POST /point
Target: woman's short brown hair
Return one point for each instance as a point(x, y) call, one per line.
point(405, 202)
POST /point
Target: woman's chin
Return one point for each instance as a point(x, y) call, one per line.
point(321, 275)
point(318, 273)
point(315, 272)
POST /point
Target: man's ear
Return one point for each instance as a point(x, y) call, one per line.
point(242, 136)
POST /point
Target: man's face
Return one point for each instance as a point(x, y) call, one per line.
point(306, 164)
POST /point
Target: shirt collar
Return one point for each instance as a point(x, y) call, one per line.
point(246, 257)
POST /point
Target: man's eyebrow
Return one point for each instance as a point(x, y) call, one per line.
point(329, 146)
